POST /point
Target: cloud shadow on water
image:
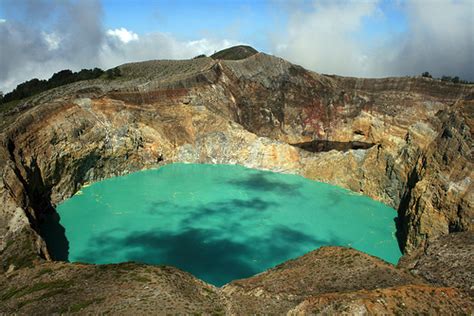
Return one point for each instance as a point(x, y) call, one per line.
point(203, 252)
point(217, 241)
point(263, 182)
point(237, 210)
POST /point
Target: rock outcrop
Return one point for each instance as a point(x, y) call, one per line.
point(446, 261)
point(256, 112)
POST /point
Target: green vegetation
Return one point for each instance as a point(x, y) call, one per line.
point(9, 243)
point(235, 53)
point(34, 86)
point(46, 285)
point(5, 107)
point(44, 271)
point(25, 290)
point(208, 290)
point(22, 260)
point(11, 293)
point(52, 293)
point(78, 306)
point(426, 74)
point(455, 79)
point(113, 73)
point(42, 297)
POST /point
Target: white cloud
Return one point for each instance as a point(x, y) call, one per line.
point(440, 39)
point(52, 39)
point(43, 37)
point(326, 37)
point(157, 45)
point(329, 38)
point(75, 39)
point(323, 38)
point(123, 35)
point(51, 52)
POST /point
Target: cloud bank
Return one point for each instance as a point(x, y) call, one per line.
point(40, 37)
point(326, 38)
point(44, 36)
point(440, 39)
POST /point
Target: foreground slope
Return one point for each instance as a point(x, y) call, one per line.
point(404, 141)
point(310, 283)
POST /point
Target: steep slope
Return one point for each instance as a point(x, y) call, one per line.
point(446, 261)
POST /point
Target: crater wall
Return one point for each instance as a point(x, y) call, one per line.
point(247, 112)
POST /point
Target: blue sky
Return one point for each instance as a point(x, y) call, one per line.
point(364, 38)
point(246, 21)
point(242, 20)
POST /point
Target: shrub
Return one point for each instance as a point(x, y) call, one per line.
point(113, 73)
point(35, 86)
point(426, 74)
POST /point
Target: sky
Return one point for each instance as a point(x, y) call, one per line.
point(363, 38)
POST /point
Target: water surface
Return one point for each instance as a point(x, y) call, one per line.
point(220, 222)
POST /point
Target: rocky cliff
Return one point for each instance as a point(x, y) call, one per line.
point(404, 141)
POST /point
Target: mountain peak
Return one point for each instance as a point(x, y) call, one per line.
point(235, 53)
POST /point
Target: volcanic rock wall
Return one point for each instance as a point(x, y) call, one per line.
point(247, 112)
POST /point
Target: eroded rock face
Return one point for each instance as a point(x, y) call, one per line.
point(246, 112)
point(440, 189)
point(446, 261)
point(400, 300)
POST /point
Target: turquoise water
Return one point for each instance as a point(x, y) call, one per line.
point(220, 222)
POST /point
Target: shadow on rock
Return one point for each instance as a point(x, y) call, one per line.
point(54, 234)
